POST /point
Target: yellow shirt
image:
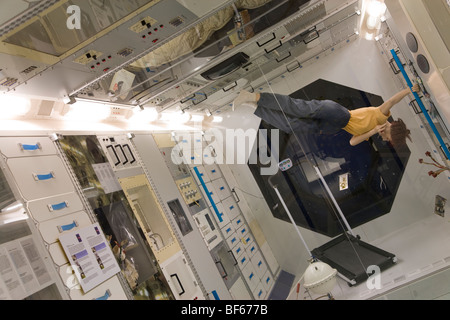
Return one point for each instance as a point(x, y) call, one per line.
point(363, 120)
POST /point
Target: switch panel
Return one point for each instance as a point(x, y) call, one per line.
point(188, 189)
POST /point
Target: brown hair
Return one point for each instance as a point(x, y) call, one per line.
point(399, 133)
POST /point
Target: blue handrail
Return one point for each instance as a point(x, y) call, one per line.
point(421, 105)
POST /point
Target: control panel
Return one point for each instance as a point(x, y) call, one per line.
point(188, 189)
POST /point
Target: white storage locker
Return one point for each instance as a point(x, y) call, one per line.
point(228, 230)
point(259, 264)
point(231, 208)
point(249, 245)
point(213, 171)
point(260, 292)
point(180, 278)
point(242, 231)
point(243, 260)
point(232, 240)
point(57, 253)
point(238, 221)
point(238, 250)
point(13, 147)
point(53, 207)
point(222, 189)
point(250, 277)
point(52, 229)
point(267, 281)
point(40, 177)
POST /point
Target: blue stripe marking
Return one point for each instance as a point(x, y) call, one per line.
point(420, 103)
point(218, 214)
point(215, 295)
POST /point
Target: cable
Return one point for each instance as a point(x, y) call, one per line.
point(250, 194)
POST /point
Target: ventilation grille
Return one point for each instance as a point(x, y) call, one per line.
point(306, 19)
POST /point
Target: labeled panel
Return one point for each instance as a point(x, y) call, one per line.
point(208, 230)
point(119, 151)
point(40, 177)
point(90, 254)
point(188, 189)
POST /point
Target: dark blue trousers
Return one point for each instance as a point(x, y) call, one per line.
point(302, 116)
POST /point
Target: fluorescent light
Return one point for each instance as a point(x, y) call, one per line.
point(88, 111)
point(13, 106)
point(144, 115)
point(175, 117)
point(197, 118)
point(376, 8)
point(217, 119)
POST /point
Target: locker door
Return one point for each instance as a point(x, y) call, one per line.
point(222, 189)
point(213, 171)
point(52, 229)
point(180, 278)
point(231, 208)
point(259, 264)
point(50, 208)
point(40, 177)
point(13, 147)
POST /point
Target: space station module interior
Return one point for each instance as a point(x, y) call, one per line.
point(129, 173)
